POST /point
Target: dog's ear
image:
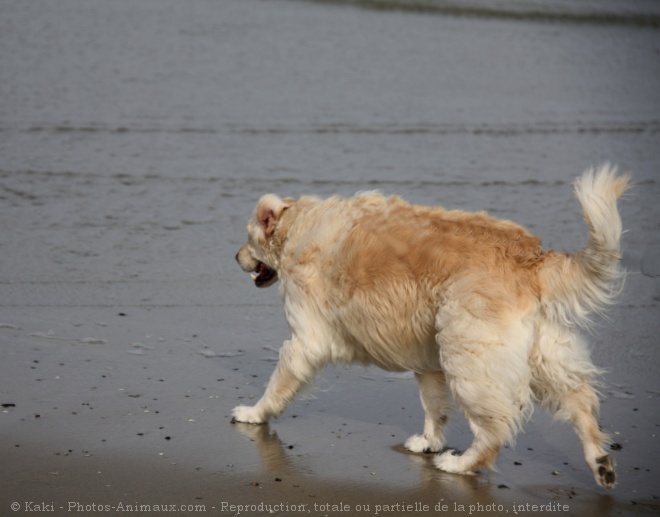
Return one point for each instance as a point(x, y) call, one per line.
point(269, 209)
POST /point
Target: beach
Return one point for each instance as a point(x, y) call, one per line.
point(135, 140)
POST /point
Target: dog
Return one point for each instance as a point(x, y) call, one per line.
point(473, 305)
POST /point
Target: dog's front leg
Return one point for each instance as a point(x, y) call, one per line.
point(293, 371)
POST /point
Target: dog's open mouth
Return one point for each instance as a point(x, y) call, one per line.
point(263, 275)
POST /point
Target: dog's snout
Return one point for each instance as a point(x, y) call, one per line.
point(236, 257)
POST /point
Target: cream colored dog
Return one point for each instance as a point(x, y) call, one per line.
point(471, 304)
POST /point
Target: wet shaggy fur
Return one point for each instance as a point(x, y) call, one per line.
point(473, 305)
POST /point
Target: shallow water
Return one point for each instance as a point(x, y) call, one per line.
point(134, 140)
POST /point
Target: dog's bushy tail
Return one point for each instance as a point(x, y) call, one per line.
point(574, 286)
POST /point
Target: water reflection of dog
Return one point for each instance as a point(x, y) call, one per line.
point(276, 458)
point(272, 452)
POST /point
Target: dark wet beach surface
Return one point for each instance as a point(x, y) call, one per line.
point(135, 138)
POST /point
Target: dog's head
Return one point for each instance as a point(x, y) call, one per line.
point(260, 255)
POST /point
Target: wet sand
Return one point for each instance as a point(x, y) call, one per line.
point(135, 139)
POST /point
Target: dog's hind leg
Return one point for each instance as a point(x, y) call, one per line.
point(494, 417)
point(486, 367)
point(563, 376)
point(432, 392)
point(581, 407)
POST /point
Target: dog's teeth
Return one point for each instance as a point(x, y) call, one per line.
point(254, 276)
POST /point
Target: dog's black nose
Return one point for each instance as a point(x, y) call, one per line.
point(236, 257)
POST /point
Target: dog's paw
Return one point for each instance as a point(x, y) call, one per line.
point(452, 462)
point(605, 475)
point(247, 415)
point(419, 443)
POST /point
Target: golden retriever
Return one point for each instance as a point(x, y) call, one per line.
point(473, 305)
